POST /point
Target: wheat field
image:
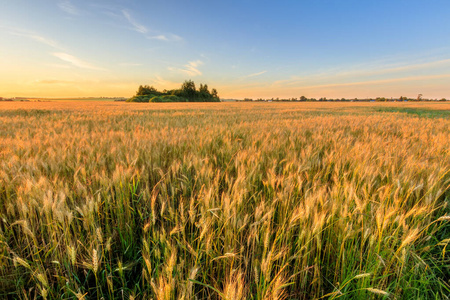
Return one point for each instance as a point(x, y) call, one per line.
point(108, 200)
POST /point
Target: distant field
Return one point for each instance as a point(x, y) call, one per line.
point(359, 107)
point(41, 100)
point(230, 200)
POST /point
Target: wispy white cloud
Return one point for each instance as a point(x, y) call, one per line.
point(391, 80)
point(160, 37)
point(112, 14)
point(34, 36)
point(380, 81)
point(76, 61)
point(159, 81)
point(191, 68)
point(135, 25)
point(68, 7)
point(254, 74)
point(393, 68)
point(166, 37)
point(369, 71)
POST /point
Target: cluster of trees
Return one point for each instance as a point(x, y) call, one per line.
point(187, 93)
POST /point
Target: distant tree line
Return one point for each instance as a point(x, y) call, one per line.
point(187, 93)
point(377, 99)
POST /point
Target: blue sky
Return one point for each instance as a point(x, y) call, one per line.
point(316, 48)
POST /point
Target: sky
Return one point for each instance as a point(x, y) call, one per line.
point(244, 49)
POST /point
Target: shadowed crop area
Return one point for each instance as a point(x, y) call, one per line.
point(224, 201)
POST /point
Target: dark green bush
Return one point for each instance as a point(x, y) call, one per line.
point(142, 98)
point(168, 98)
